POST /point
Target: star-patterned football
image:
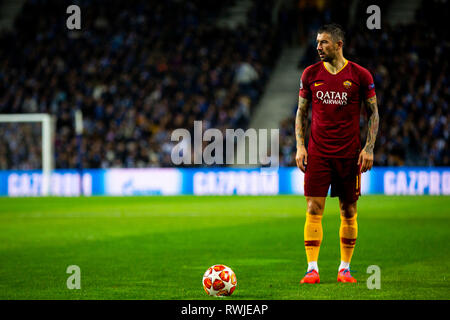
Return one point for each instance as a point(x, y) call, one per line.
point(219, 280)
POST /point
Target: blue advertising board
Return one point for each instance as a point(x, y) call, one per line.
point(213, 181)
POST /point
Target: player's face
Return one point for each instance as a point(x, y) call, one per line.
point(326, 47)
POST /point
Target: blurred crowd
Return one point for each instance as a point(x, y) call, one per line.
point(140, 69)
point(137, 70)
point(411, 73)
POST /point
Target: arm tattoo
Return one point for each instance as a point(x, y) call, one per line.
point(371, 104)
point(301, 121)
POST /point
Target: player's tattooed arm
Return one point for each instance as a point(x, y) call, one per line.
point(374, 119)
point(366, 155)
point(301, 121)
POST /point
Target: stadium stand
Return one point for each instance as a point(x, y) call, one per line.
point(139, 69)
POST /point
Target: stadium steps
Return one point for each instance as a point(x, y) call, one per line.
point(402, 12)
point(281, 94)
point(9, 9)
point(235, 15)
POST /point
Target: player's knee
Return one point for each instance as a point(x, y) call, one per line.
point(315, 208)
point(348, 210)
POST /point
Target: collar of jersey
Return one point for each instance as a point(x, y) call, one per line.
point(345, 64)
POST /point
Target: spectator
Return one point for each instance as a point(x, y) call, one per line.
point(137, 70)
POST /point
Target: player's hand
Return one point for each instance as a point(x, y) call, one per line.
point(301, 158)
point(365, 160)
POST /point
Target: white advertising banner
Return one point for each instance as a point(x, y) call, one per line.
point(149, 181)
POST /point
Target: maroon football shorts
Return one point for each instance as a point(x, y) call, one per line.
point(344, 176)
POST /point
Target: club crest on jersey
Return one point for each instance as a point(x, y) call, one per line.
point(347, 84)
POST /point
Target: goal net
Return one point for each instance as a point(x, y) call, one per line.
point(26, 143)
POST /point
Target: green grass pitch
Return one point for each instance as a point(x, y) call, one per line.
point(159, 247)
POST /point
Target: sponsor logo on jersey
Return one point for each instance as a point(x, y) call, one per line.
point(332, 97)
point(347, 84)
point(316, 84)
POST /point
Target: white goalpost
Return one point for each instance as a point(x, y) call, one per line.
point(47, 125)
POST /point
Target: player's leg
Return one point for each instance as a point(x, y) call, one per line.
point(348, 189)
point(313, 235)
point(317, 182)
point(348, 232)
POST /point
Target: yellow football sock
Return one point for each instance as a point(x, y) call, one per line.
point(313, 236)
point(348, 233)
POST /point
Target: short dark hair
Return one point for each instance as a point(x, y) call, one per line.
point(335, 30)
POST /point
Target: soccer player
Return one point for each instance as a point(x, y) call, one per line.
point(336, 87)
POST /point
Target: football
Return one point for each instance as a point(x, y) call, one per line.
point(219, 280)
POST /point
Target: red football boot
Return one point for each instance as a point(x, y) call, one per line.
point(345, 276)
point(312, 276)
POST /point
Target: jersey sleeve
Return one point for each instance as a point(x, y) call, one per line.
point(305, 91)
point(367, 84)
